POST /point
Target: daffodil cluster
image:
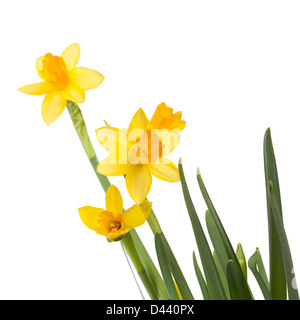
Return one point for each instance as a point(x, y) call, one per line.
point(140, 151)
point(137, 152)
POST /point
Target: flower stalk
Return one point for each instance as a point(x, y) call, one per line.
point(133, 255)
point(80, 127)
point(153, 223)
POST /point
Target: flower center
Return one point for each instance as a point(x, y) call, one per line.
point(115, 226)
point(147, 149)
point(55, 71)
point(111, 225)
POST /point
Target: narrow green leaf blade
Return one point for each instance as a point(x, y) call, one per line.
point(165, 268)
point(176, 271)
point(256, 266)
point(227, 244)
point(201, 279)
point(277, 272)
point(216, 240)
point(149, 266)
point(222, 275)
point(284, 245)
point(214, 284)
point(238, 286)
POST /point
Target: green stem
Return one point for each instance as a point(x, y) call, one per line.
point(80, 127)
point(133, 255)
point(127, 259)
point(153, 223)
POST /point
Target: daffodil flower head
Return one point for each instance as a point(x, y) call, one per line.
point(140, 151)
point(113, 222)
point(62, 81)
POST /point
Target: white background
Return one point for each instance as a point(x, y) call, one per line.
point(232, 67)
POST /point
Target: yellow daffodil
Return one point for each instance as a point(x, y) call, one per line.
point(113, 223)
point(141, 150)
point(62, 81)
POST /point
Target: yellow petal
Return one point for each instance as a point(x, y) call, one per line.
point(86, 78)
point(74, 93)
point(71, 56)
point(114, 236)
point(169, 139)
point(109, 167)
point(114, 140)
point(167, 172)
point(139, 121)
point(90, 216)
point(39, 67)
point(137, 215)
point(36, 88)
point(53, 105)
point(138, 182)
point(114, 201)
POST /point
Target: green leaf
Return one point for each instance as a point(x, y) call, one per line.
point(165, 268)
point(201, 279)
point(149, 266)
point(238, 286)
point(277, 272)
point(242, 260)
point(226, 242)
point(284, 245)
point(222, 275)
point(216, 240)
point(256, 265)
point(176, 271)
point(214, 284)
